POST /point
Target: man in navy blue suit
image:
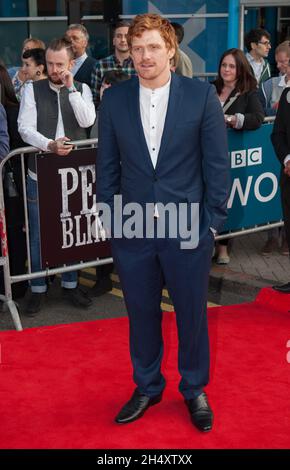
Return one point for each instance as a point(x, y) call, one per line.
point(162, 143)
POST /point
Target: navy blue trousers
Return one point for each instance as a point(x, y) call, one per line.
point(144, 265)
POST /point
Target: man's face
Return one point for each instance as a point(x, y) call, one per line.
point(282, 60)
point(120, 39)
point(79, 41)
point(262, 48)
point(57, 62)
point(151, 58)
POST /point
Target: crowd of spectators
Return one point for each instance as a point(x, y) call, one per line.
point(245, 87)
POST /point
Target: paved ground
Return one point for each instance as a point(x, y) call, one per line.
point(239, 281)
point(248, 270)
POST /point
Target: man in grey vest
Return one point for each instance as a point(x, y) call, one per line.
point(53, 111)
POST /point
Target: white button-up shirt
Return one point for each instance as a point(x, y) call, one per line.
point(153, 109)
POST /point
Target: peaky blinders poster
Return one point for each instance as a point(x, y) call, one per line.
point(67, 209)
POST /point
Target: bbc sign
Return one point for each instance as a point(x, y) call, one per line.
point(249, 157)
point(254, 197)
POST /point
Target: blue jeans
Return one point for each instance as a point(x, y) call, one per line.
point(68, 280)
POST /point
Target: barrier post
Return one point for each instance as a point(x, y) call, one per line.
point(4, 261)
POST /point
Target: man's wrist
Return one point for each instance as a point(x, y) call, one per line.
point(50, 145)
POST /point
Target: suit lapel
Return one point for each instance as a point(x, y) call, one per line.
point(134, 108)
point(174, 103)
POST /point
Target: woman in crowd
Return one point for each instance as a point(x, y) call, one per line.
point(33, 65)
point(13, 186)
point(237, 91)
point(19, 78)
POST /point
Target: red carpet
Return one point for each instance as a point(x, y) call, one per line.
point(61, 386)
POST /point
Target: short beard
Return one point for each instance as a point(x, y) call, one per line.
point(55, 82)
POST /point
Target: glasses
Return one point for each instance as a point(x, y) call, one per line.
point(265, 43)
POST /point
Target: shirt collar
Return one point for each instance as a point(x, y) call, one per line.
point(282, 81)
point(157, 91)
point(55, 87)
point(253, 61)
point(116, 60)
point(81, 59)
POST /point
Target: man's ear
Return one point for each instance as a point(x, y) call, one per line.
point(253, 45)
point(171, 53)
point(71, 64)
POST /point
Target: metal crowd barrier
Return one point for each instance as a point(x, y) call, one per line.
point(4, 259)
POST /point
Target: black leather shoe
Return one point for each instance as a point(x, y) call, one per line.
point(136, 407)
point(285, 288)
point(200, 412)
point(77, 297)
point(34, 304)
point(101, 287)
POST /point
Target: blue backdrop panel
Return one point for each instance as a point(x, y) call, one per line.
point(205, 39)
point(132, 7)
point(255, 194)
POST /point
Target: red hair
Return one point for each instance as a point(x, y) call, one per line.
point(150, 21)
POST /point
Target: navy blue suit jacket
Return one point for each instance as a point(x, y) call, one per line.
point(192, 164)
point(4, 137)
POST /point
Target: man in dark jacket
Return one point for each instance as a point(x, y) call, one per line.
point(281, 142)
point(157, 150)
point(84, 64)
